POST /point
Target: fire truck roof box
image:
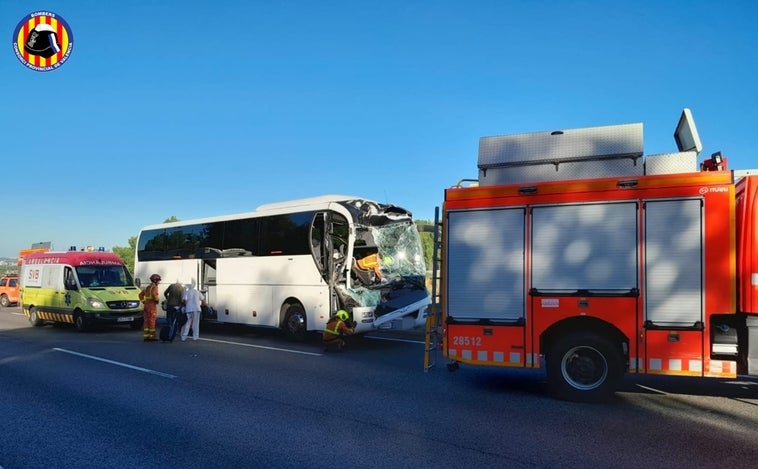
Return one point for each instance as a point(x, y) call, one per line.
point(593, 152)
point(591, 143)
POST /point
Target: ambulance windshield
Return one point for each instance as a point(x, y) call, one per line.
point(104, 276)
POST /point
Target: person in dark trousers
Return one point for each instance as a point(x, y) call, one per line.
point(173, 295)
point(336, 330)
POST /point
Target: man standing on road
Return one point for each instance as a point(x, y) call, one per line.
point(193, 301)
point(174, 294)
point(150, 296)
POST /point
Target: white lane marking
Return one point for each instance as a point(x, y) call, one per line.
point(263, 347)
point(647, 388)
point(125, 365)
point(396, 340)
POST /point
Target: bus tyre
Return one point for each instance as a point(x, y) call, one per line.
point(294, 323)
point(80, 322)
point(4, 301)
point(584, 368)
point(33, 318)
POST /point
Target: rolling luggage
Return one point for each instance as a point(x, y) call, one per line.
point(174, 321)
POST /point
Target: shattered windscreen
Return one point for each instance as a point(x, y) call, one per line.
point(400, 251)
point(399, 267)
point(387, 271)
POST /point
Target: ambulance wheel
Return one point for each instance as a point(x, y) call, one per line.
point(80, 322)
point(4, 301)
point(33, 318)
point(295, 325)
point(584, 368)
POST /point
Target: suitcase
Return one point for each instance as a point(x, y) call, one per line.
point(168, 331)
point(176, 319)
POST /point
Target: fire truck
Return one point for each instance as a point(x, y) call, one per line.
point(575, 253)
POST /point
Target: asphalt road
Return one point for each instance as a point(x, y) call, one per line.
point(244, 397)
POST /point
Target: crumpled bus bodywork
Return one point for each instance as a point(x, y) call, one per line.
point(387, 290)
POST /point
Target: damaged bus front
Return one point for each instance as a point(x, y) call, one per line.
point(382, 281)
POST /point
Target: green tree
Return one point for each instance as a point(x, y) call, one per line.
point(426, 233)
point(127, 253)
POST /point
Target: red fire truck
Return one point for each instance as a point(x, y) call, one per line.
point(577, 253)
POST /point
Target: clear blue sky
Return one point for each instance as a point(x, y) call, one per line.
point(195, 109)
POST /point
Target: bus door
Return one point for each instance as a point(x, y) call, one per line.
point(207, 282)
point(329, 244)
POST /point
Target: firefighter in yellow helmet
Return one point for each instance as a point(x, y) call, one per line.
point(336, 329)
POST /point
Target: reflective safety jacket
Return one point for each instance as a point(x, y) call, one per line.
point(371, 262)
point(150, 293)
point(334, 328)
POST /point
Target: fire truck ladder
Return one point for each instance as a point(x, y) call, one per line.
point(433, 336)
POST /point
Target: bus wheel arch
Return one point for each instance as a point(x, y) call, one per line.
point(293, 320)
point(34, 319)
point(80, 322)
point(585, 359)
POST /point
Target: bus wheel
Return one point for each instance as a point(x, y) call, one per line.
point(294, 322)
point(4, 301)
point(33, 318)
point(80, 322)
point(584, 368)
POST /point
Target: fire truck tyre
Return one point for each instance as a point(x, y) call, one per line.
point(33, 318)
point(4, 302)
point(584, 368)
point(294, 323)
point(80, 322)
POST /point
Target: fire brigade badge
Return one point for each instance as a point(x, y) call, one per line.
point(43, 41)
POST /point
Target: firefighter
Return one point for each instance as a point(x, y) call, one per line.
point(336, 330)
point(150, 297)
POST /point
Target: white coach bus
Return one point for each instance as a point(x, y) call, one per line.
point(291, 265)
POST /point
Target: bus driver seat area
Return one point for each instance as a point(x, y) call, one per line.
point(367, 269)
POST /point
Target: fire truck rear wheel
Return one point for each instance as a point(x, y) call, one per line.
point(33, 318)
point(584, 368)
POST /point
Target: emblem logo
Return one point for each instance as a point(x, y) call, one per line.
point(43, 41)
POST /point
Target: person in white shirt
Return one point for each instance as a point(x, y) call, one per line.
point(193, 301)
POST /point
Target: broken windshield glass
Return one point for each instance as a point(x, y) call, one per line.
point(399, 250)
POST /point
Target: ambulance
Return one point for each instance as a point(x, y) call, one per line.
point(80, 288)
